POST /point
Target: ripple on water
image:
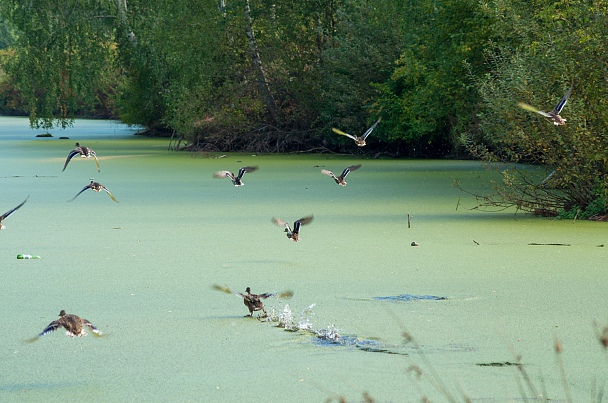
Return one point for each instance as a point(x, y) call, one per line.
point(410, 297)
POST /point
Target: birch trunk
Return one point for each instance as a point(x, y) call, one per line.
point(259, 68)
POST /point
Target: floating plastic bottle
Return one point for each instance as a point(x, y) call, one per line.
point(27, 256)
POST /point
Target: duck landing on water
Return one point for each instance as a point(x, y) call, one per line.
point(72, 324)
point(253, 302)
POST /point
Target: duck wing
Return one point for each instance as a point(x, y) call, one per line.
point(284, 294)
point(304, 220)
point(562, 102)
point(96, 160)
point(533, 109)
point(281, 223)
point(328, 173)
point(224, 174)
point(340, 132)
point(109, 194)
point(95, 331)
point(350, 169)
point(3, 216)
point(72, 153)
point(228, 291)
point(89, 186)
point(245, 169)
point(368, 131)
point(49, 329)
point(300, 222)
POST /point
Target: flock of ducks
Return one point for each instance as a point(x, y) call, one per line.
point(74, 325)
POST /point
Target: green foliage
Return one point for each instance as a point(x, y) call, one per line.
point(545, 50)
point(7, 34)
point(61, 55)
point(267, 75)
point(597, 208)
point(429, 98)
point(360, 52)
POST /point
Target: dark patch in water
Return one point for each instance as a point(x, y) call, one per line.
point(410, 297)
point(497, 364)
point(35, 176)
point(370, 346)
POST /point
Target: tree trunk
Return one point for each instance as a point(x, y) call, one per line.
point(258, 67)
point(121, 6)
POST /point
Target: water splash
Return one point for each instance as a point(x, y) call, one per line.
point(288, 320)
point(329, 336)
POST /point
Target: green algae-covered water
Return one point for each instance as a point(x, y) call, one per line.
point(479, 290)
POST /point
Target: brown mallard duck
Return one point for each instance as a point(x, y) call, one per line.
point(293, 234)
point(96, 186)
point(253, 302)
point(85, 152)
point(553, 115)
point(72, 324)
point(236, 179)
point(3, 216)
point(359, 140)
point(340, 179)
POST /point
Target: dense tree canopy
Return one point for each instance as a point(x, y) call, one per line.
point(541, 51)
point(445, 76)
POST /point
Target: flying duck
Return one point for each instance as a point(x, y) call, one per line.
point(72, 324)
point(96, 186)
point(294, 234)
point(3, 216)
point(253, 302)
point(554, 114)
point(85, 152)
point(236, 180)
point(340, 179)
point(359, 140)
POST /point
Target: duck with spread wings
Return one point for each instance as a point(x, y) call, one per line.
point(97, 187)
point(253, 302)
point(359, 140)
point(236, 179)
point(84, 152)
point(554, 114)
point(340, 179)
point(293, 234)
point(73, 325)
point(3, 216)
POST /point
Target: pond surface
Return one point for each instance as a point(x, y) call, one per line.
point(474, 294)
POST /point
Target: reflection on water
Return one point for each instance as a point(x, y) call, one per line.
point(18, 128)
